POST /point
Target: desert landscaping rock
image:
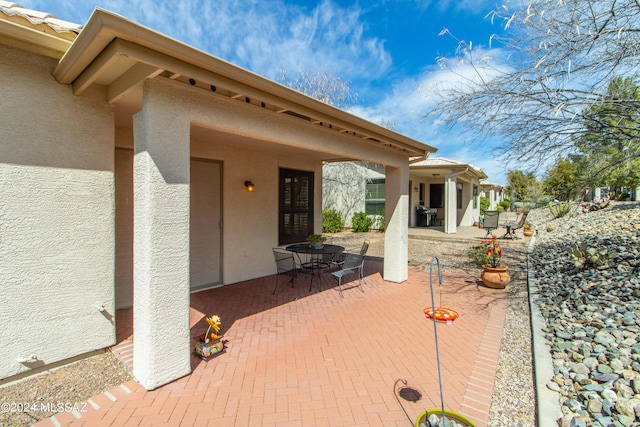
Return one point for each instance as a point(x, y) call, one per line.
point(592, 312)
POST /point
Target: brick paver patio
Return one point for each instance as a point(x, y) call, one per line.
point(322, 360)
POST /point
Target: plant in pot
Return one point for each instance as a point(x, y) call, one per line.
point(527, 229)
point(494, 274)
point(316, 240)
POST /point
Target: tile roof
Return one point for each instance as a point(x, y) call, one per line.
point(39, 21)
point(442, 161)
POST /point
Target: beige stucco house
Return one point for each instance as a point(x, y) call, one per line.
point(448, 187)
point(494, 192)
point(124, 159)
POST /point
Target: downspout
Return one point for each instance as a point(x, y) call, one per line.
point(450, 206)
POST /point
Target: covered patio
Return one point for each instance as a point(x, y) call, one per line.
point(323, 360)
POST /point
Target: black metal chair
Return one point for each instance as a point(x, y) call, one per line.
point(286, 266)
point(513, 226)
point(490, 221)
point(353, 264)
point(340, 257)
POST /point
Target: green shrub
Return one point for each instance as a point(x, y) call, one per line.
point(478, 255)
point(332, 221)
point(505, 204)
point(484, 204)
point(361, 222)
point(543, 201)
point(500, 208)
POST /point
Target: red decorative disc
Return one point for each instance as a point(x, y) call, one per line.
point(441, 314)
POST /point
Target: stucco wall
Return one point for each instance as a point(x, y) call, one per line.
point(250, 220)
point(56, 217)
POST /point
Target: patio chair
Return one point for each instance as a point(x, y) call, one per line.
point(490, 221)
point(353, 264)
point(438, 216)
point(513, 226)
point(339, 259)
point(286, 265)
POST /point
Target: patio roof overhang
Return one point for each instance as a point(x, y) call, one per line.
point(112, 56)
point(438, 169)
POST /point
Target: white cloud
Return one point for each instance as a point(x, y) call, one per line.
point(409, 99)
point(262, 36)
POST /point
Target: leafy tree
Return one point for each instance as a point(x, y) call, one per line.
point(612, 138)
point(565, 180)
point(556, 60)
point(484, 204)
point(518, 184)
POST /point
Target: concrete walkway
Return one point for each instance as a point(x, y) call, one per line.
point(322, 360)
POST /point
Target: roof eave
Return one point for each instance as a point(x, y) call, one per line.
point(32, 40)
point(104, 26)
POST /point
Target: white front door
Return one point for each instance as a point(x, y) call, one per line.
point(206, 224)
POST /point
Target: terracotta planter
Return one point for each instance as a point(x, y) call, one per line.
point(528, 233)
point(495, 277)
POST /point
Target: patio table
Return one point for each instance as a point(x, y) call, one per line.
point(511, 233)
point(319, 258)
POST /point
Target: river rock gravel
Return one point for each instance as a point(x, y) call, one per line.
point(592, 311)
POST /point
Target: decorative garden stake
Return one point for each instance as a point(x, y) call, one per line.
point(430, 418)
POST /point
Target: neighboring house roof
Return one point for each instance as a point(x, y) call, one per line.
point(37, 31)
point(112, 56)
point(490, 185)
point(440, 166)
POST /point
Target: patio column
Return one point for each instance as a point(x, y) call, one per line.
point(396, 243)
point(597, 193)
point(451, 202)
point(161, 243)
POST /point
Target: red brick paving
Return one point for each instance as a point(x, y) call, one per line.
point(322, 360)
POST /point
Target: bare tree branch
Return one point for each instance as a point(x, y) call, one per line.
point(561, 57)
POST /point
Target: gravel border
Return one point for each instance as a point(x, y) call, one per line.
point(67, 385)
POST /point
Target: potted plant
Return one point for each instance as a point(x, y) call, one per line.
point(210, 344)
point(527, 229)
point(494, 274)
point(316, 240)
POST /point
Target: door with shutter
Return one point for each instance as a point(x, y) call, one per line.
point(295, 211)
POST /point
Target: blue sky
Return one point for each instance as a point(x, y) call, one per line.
point(386, 49)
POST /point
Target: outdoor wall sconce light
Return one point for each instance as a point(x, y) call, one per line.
point(249, 186)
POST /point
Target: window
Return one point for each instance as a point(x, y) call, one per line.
point(423, 190)
point(374, 198)
point(295, 211)
point(459, 196)
point(475, 196)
